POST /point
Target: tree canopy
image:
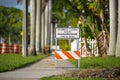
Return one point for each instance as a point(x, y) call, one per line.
point(10, 23)
point(91, 15)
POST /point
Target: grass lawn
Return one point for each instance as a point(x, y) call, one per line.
point(10, 62)
point(98, 62)
point(90, 63)
point(69, 78)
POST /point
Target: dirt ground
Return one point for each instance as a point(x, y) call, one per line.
point(109, 74)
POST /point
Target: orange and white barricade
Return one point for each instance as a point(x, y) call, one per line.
point(67, 55)
point(0, 47)
point(11, 48)
point(16, 48)
point(4, 48)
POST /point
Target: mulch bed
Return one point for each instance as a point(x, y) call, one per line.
point(109, 74)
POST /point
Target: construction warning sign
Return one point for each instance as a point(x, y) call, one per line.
point(67, 33)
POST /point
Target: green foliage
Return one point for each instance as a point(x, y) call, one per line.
point(64, 45)
point(94, 13)
point(69, 78)
point(62, 13)
point(10, 62)
point(3, 21)
point(98, 62)
point(10, 23)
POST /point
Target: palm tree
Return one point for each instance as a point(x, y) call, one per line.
point(33, 26)
point(118, 33)
point(42, 31)
point(38, 25)
point(25, 36)
point(49, 24)
point(113, 26)
point(44, 24)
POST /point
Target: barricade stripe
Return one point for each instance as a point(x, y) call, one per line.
point(68, 54)
point(77, 52)
point(57, 56)
point(62, 55)
point(74, 55)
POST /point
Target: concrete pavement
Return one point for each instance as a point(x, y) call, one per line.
point(45, 67)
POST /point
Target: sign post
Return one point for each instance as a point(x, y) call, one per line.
point(67, 33)
point(78, 47)
point(56, 47)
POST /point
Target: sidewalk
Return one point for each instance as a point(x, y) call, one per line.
point(45, 67)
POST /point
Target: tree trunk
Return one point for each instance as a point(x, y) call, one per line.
point(118, 33)
point(9, 38)
point(86, 48)
point(113, 26)
point(42, 31)
point(46, 25)
point(25, 35)
point(38, 25)
point(50, 26)
point(33, 26)
point(102, 43)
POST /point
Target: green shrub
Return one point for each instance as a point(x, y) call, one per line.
point(65, 47)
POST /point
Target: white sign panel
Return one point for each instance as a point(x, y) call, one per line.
point(67, 33)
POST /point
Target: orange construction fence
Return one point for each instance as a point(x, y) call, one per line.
point(10, 48)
